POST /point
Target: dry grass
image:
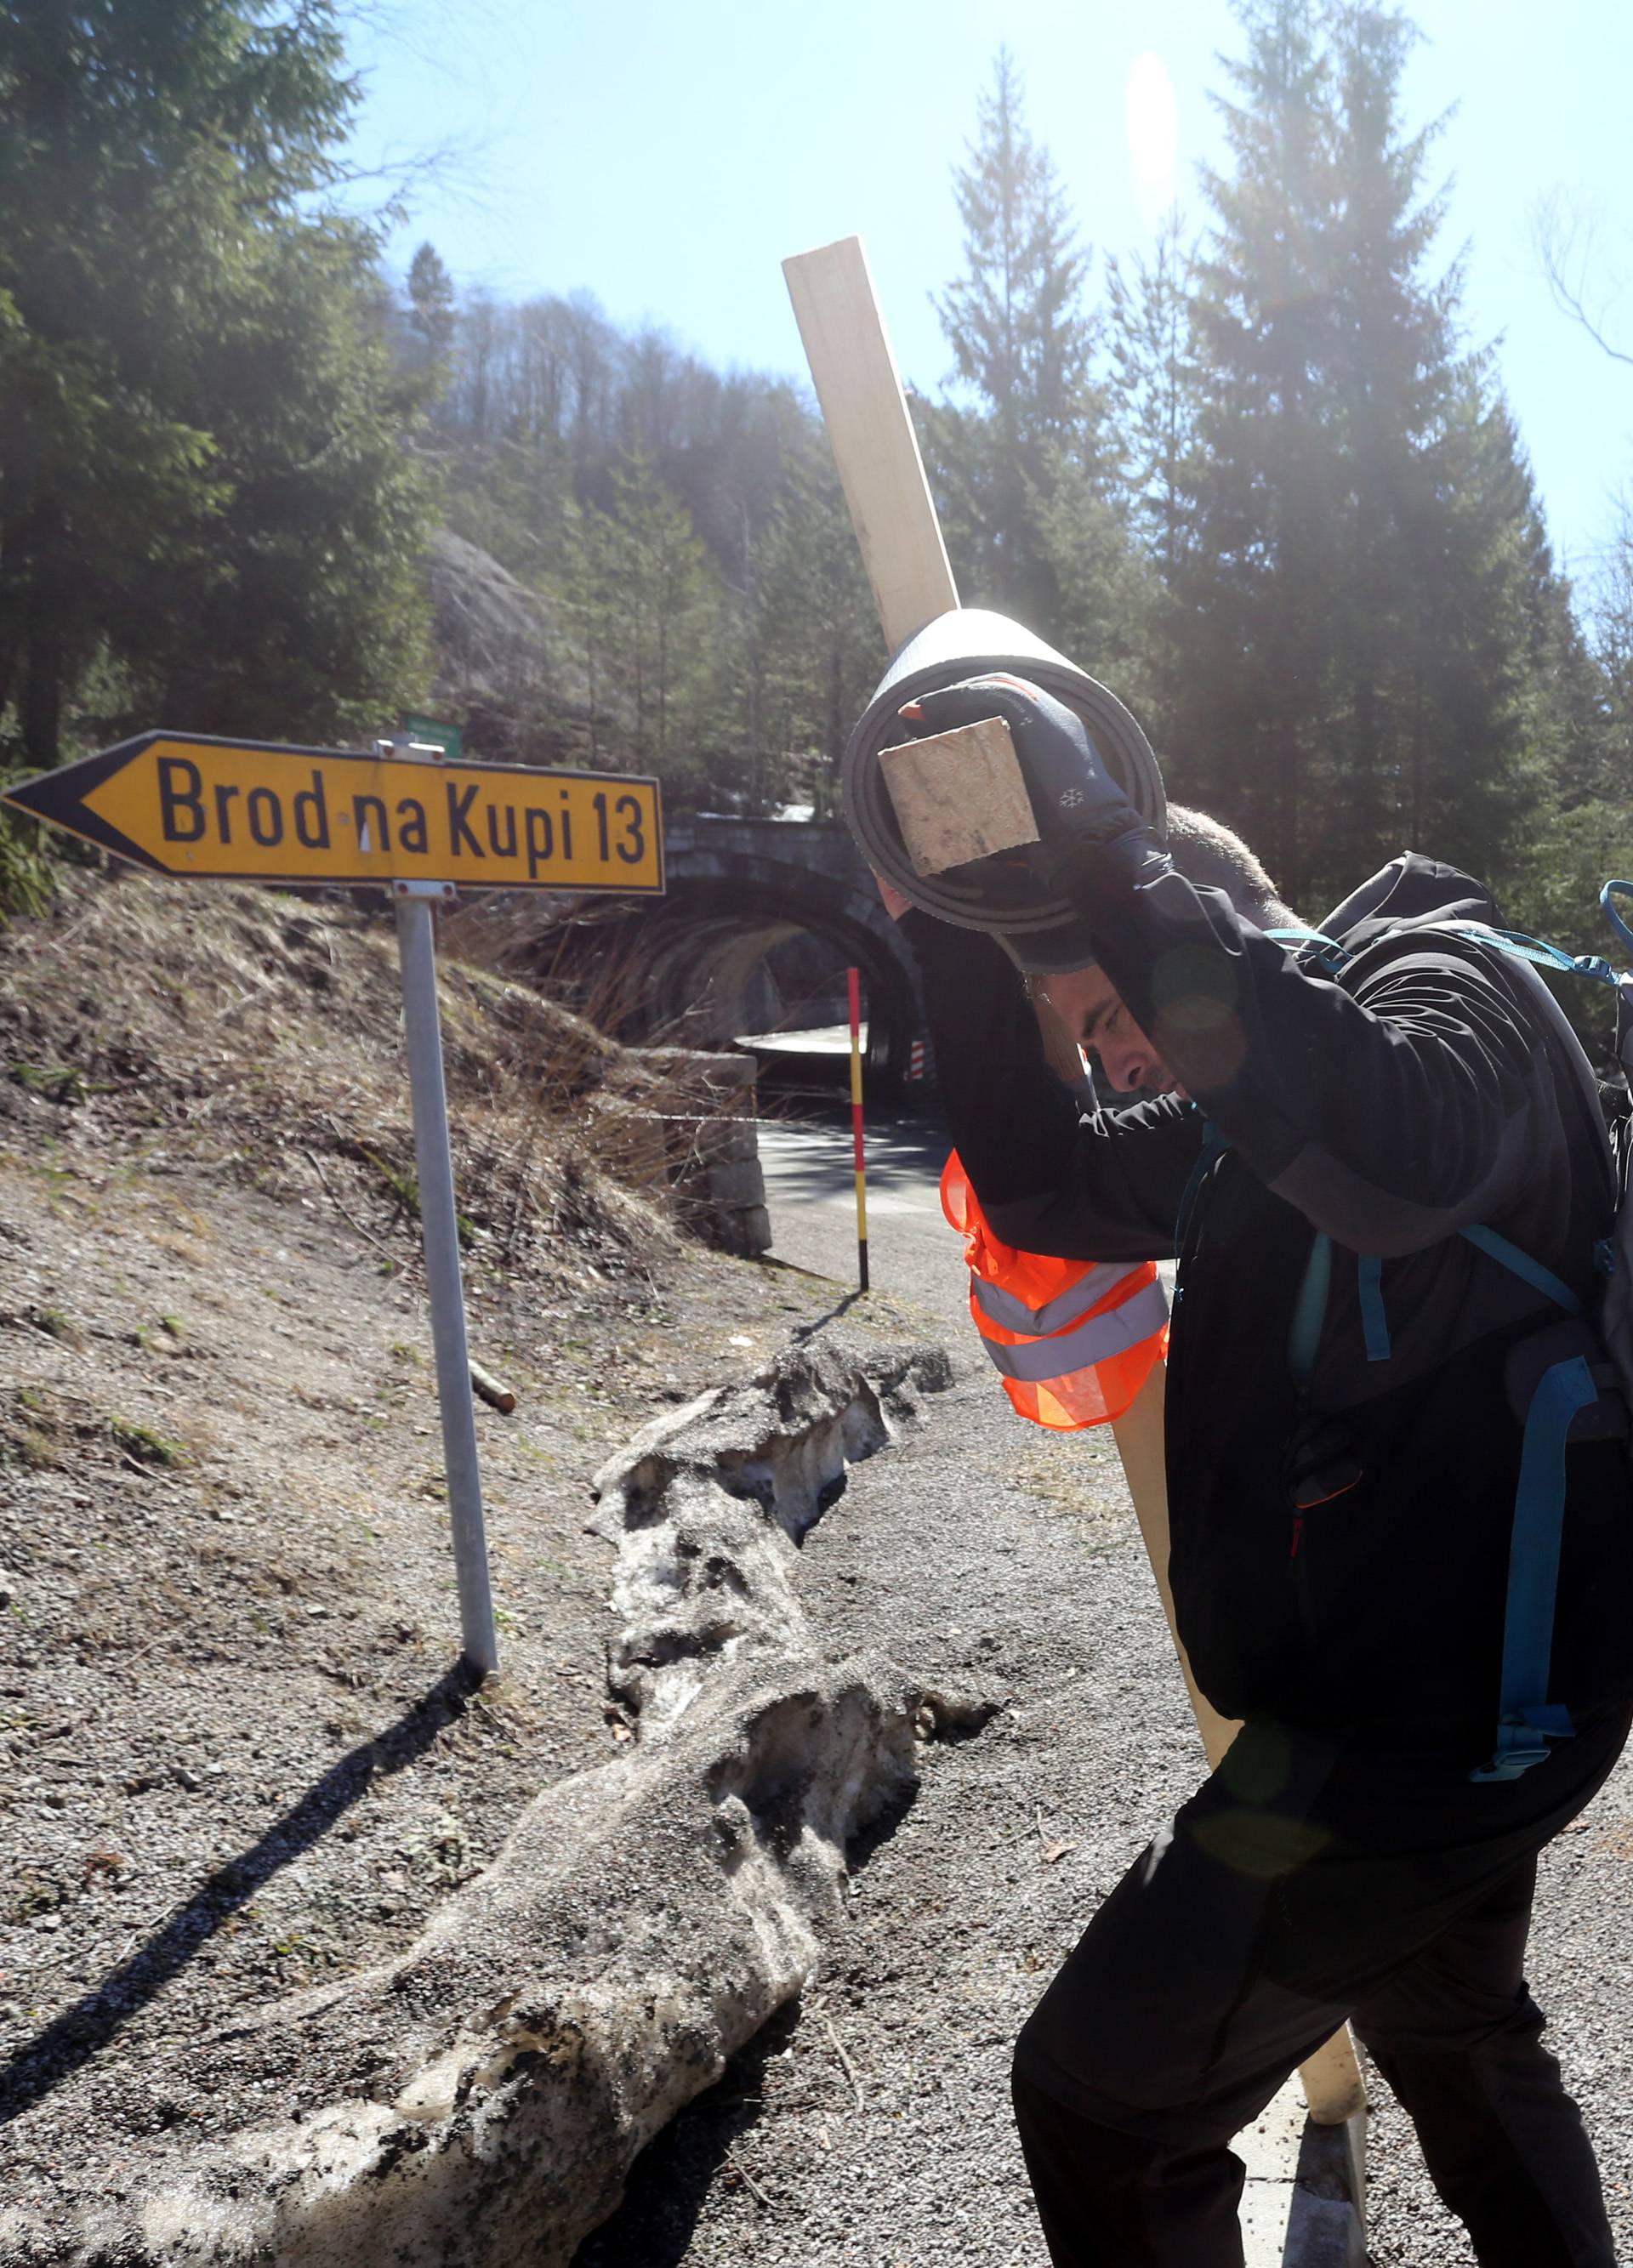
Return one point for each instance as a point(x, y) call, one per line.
point(250, 1026)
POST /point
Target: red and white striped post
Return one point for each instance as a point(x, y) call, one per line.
point(852, 978)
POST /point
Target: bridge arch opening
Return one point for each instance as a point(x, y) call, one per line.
point(759, 923)
point(702, 974)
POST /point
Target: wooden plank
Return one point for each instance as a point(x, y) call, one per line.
point(882, 475)
point(958, 795)
point(870, 429)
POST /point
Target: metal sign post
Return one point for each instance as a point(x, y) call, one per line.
point(438, 1221)
point(438, 1218)
point(438, 1225)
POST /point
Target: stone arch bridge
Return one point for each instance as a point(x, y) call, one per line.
point(692, 966)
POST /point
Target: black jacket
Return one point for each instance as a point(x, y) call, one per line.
point(1437, 1087)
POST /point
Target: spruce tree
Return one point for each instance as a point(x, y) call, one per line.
point(305, 616)
point(1257, 588)
point(1374, 650)
point(1154, 386)
point(1023, 402)
point(824, 651)
point(646, 606)
point(431, 308)
point(1612, 617)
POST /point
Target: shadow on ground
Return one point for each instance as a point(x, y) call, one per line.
point(95, 2018)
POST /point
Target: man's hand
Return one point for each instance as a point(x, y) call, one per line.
point(1075, 799)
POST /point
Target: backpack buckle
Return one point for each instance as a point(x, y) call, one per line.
point(1521, 1741)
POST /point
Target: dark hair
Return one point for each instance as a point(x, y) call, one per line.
point(1207, 853)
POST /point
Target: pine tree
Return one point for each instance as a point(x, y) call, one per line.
point(1154, 386)
point(1610, 615)
point(1400, 392)
point(431, 308)
point(824, 651)
point(306, 616)
point(646, 606)
point(1021, 345)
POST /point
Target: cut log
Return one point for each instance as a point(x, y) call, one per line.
point(493, 1390)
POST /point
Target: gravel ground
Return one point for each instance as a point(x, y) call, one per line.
point(234, 1755)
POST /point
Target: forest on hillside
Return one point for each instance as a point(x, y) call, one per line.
point(1259, 479)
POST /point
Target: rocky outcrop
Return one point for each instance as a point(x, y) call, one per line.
point(493, 632)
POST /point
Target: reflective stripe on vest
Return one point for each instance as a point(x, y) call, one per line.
point(1001, 1307)
point(1100, 1338)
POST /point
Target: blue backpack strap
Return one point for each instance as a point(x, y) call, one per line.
point(1518, 946)
point(1309, 936)
point(1527, 1718)
point(1607, 897)
point(1528, 1721)
point(1374, 1319)
point(1309, 1310)
point(1332, 959)
point(1521, 1264)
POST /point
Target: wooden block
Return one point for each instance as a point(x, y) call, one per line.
point(874, 446)
point(958, 795)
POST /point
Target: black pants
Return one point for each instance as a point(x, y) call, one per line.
point(1303, 1884)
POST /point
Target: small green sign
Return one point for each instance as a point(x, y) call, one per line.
point(448, 738)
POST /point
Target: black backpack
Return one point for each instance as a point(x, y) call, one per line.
point(1577, 1374)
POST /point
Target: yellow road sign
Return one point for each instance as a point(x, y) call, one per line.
point(249, 811)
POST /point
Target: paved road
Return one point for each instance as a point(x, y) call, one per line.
point(811, 1190)
point(813, 1040)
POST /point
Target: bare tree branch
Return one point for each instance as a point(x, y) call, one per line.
point(1565, 245)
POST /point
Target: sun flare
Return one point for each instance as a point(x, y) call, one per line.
point(1152, 119)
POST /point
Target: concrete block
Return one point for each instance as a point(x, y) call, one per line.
point(754, 1226)
point(742, 1184)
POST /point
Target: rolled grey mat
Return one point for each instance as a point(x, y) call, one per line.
point(995, 892)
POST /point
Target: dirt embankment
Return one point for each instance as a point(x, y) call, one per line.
point(235, 1758)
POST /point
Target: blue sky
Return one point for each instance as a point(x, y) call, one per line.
point(667, 157)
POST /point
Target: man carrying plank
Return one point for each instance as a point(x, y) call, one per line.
point(1376, 1165)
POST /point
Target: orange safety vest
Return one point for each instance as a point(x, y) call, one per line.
point(1074, 1340)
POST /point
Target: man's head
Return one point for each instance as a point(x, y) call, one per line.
point(1087, 1002)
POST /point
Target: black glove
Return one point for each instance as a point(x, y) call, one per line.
point(1076, 801)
